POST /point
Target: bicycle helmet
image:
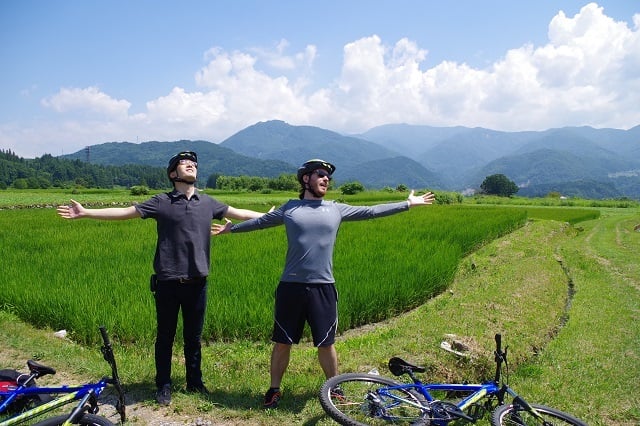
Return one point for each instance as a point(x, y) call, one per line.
point(173, 162)
point(314, 164)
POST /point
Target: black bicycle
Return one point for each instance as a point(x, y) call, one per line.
point(367, 399)
point(28, 396)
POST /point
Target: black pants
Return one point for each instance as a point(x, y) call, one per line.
point(171, 297)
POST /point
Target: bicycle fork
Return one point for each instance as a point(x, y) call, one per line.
point(88, 403)
point(518, 400)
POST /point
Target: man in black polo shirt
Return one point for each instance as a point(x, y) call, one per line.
point(181, 262)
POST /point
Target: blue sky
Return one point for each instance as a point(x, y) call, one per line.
point(78, 73)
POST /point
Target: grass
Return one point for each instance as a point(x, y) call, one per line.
point(583, 360)
point(84, 258)
point(599, 352)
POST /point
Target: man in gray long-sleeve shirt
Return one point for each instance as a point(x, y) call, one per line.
point(307, 287)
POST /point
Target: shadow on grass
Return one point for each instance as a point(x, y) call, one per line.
point(141, 403)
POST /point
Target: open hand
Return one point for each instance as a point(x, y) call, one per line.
point(416, 200)
point(73, 211)
point(225, 228)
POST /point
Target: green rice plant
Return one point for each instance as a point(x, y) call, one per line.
point(79, 274)
point(75, 275)
point(563, 214)
point(622, 203)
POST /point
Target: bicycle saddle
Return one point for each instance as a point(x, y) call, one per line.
point(398, 367)
point(39, 369)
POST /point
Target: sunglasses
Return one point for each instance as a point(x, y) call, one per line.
point(322, 174)
point(187, 161)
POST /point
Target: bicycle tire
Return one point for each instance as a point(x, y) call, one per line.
point(511, 414)
point(86, 420)
point(356, 407)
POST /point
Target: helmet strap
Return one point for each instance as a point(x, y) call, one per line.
point(179, 179)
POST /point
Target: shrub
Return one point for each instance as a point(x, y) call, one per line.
point(351, 188)
point(139, 190)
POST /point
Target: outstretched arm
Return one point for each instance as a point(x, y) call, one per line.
point(420, 200)
point(244, 214)
point(224, 228)
point(76, 211)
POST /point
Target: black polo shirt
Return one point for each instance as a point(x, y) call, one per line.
point(184, 232)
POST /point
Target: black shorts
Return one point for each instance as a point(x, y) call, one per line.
point(297, 303)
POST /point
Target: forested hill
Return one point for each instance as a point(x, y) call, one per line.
point(212, 158)
point(48, 171)
point(126, 164)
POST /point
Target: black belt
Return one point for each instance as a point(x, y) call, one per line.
point(194, 280)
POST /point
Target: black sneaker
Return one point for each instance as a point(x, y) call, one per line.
point(163, 396)
point(271, 398)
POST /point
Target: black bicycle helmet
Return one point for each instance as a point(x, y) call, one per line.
point(315, 164)
point(173, 162)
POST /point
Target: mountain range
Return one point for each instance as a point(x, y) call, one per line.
point(573, 161)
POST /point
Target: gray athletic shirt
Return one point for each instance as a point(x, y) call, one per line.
point(312, 226)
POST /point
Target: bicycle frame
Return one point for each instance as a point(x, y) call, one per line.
point(489, 391)
point(87, 394)
point(368, 398)
point(476, 392)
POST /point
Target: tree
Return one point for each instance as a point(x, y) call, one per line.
point(351, 188)
point(499, 185)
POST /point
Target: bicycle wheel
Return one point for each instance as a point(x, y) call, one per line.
point(512, 414)
point(358, 402)
point(85, 420)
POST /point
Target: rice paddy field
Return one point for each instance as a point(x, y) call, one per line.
point(79, 274)
point(468, 268)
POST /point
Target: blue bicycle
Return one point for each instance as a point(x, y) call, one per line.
point(367, 399)
point(27, 401)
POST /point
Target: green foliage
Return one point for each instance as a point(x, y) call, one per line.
point(284, 182)
point(212, 181)
point(20, 183)
point(448, 197)
point(351, 188)
point(139, 190)
point(48, 171)
point(498, 184)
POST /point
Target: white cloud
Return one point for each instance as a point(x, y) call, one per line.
point(278, 59)
point(197, 108)
point(90, 99)
point(588, 73)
